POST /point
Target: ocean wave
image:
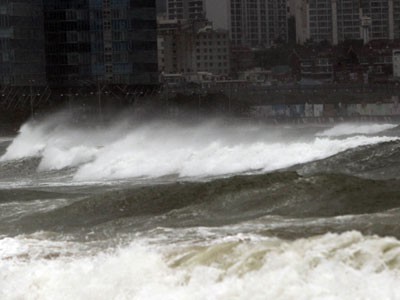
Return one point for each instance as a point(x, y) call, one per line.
point(351, 129)
point(375, 161)
point(159, 149)
point(345, 266)
point(225, 202)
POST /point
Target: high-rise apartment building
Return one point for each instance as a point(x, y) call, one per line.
point(111, 41)
point(185, 9)
point(22, 55)
point(381, 14)
point(348, 16)
point(258, 23)
point(68, 44)
point(251, 23)
point(396, 19)
point(329, 20)
point(338, 20)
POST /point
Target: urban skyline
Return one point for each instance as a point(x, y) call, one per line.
point(262, 23)
point(256, 26)
point(82, 42)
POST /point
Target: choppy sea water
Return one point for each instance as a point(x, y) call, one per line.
point(209, 211)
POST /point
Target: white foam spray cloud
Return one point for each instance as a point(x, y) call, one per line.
point(163, 148)
point(152, 158)
point(338, 267)
point(59, 144)
point(351, 129)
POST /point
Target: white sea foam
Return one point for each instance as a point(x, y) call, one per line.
point(152, 158)
point(347, 266)
point(15, 210)
point(350, 129)
point(160, 149)
point(5, 139)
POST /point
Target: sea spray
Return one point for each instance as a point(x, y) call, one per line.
point(352, 129)
point(213, 159)
point(157, 149)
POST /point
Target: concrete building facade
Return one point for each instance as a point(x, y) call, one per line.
point(396, 19)
point(251, 23)
point(381, 14)
point(258, 23)
point(68, 46)
point(396, 64)
point(338, 20)
point(187, 47)
point(185, 9)
point(22, 52)
point(212, 50)
point(299, 9)
point(218, 13)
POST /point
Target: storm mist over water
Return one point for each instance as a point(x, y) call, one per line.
point(199, 210)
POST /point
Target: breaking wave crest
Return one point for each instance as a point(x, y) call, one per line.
point(161, 148)
point(346, 266)
point(351, 129)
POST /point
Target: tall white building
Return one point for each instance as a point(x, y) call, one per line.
point(299, 9)
point(382, 18)
point(339, 20)
point(251, 23)
point(185, 9)
point(258, 23)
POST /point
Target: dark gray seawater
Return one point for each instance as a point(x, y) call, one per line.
point(215, 211)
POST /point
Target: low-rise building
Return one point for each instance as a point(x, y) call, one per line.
point(318, 68)
point(172, 80)
point(257, 76)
